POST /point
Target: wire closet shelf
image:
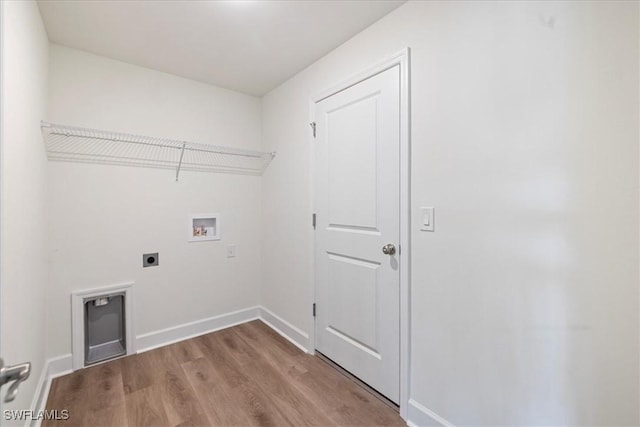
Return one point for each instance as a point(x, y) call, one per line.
point(76, 144)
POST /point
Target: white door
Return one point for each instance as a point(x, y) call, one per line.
point(357, 176)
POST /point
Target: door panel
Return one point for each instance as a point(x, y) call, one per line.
point(352, 192)
point(357, 206)
point(352, 306)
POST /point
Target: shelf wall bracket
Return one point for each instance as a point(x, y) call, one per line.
point(180, 162)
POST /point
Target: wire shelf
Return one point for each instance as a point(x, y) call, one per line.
point(83, 145)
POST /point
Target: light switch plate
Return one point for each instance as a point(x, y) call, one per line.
point(427, 219)
point(231, 251)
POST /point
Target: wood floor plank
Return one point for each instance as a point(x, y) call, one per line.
point(145, 409)
point(186, 351)
point(245, 404)
point(106, 386)
point(235, 347)
point(347, 404)
point(195, 421)
point(69, 393)
point(247, 375)
point(261, 330)
point(260, 407)
point(135, 375)
point(216, 398)
point(274, 378)
point(175, 392)
point(115, 415)
point(214, 350)
point(282, 355)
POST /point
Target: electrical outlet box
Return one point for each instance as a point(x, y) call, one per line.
point(150, 260)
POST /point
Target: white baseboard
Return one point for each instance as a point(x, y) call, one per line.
point(61, 365)
point(420, 415)
point(297, 337)
point(41, 393)
point(54, 367)
point(146, 342)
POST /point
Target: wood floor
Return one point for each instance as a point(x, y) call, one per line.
point(247, 375)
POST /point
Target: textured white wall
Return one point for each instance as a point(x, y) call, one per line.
point(23, 224)
point(103, 218)
point(525, 139)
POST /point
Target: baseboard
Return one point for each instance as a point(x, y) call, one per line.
point(54, 367)
point(297, 337)
point(300, 339)
point(58, 366)
point(41, 393)
point(420, 415)
point(146, 342)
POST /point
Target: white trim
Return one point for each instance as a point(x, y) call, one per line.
point(420, 415)
point(312, 230)
point(41, 394)
point(77, 319)
point(59, 366)
point(53, 368)
point(296, 336)
point(401, 59)
point(185, 331)
point(2, 191)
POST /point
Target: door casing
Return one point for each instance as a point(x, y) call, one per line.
point(402, 59)
point(2, 142)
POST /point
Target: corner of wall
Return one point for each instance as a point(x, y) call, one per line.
point(25, 52)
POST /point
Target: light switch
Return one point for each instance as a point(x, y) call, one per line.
point(427, 218)
point(231, 251)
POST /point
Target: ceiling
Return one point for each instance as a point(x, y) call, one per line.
point(247, 46)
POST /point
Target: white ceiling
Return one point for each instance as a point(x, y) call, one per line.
point(247, 46)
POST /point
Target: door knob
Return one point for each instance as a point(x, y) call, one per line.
point(15, 374)
point(389, 249)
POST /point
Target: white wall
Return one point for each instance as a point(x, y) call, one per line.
point(23, 225)
point(103, 218)
point(525, 139)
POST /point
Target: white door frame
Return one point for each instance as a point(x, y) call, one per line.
point(400, 59)
point(2, 65)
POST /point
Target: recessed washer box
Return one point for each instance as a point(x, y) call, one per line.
point(203, 227)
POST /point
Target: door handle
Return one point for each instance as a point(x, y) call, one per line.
point(389, 249)
point(15, 373)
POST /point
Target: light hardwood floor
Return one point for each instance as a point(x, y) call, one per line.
point(245, 375)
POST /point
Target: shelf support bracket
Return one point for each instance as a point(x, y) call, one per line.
point(180, 162)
